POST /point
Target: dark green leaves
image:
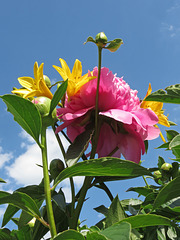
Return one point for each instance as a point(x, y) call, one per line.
point(77, 148)
point(58, 96)
point(170, 191)
point(22, 201)
point(69, 235)
point(172, 95)
point(25, 114)
point(108, 166)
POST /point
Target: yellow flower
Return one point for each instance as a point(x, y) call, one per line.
point(157, 108)
point(34, 87)
point(75, 79)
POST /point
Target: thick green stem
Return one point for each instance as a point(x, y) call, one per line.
point(97, 127)
point(47, 190)
point(85, 187)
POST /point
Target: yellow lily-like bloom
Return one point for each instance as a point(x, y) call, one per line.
point(157, 108)
point(34, 87)
point(75, 79)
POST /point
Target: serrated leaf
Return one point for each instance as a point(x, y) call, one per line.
point(69, 235)
point(108, 166)
point(171, 95)
point(22, 201)
point(114, 44)
point(25, 114)
point(168, 192)
point(58, 96)
point(77, 148)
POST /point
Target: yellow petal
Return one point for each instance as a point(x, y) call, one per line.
point(163, 120)
point(35, 70)
point(65, 68)
point(77, 70)
point(61, 72)
point(44, 90)
point(26, 82)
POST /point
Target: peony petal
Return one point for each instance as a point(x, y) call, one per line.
point(119, 115)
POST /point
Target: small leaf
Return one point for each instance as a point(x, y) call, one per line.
point(77, 148)
point(58, 96)
point(160, 162)
point(175, 143)
point(2, 180)
point(172, 95)
point(168, 192)
point(140, 221)
point(9, 213)
point(115, 212)
point(69, 235)
point(114, 44)
point(96, 236)
point(25, 114)
point(118, 231)
point(107, 166)
point(90, 39)
point(141, 190)
point(170, 134)
point(102, 209)
point(22, 201)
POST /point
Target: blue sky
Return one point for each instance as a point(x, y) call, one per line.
point(45, 31)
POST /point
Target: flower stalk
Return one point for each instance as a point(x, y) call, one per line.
point(47, 190)
point(96, 132)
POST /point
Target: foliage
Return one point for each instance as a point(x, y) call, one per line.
point(43, 208)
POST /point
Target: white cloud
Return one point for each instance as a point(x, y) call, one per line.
point(24, 170)
point(170, 29)
point(4, 157)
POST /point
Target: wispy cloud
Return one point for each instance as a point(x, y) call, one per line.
point(4, 157)
point(170, 29)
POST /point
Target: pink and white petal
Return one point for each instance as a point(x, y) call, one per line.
point(152, 132)
point(77, 114)
point(146, 116)
point(62, 126)
point(119, 115)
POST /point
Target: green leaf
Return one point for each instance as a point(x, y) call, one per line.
point(90, 39)
point(69, 235)
point(168, 192)
point(141, 190)
point(114, 44)
point(170, 134)
point(9, 213)
point(77, 148)
point(2, 180)
point(102, 209)
point(118, 231)
point(115, 212)
point(25, 114)
point(5, 234)
point(96, 236)
point(175, 143)
point(172, 95)
point(140, 221)
point(160, 161)
point(22, 201)
point(58, 96)
point(106, 166)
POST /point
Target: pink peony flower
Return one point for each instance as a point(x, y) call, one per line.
point(125, 125)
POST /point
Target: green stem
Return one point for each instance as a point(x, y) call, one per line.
point(85, 187)
point(96, 132)
point(47, 190)
point(71, 179)
point(145, 181)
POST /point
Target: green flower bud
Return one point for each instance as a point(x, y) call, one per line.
point(47, 81)
point(166, 167)
point(157, 174)
point(43, 105)
point(56, 166)
point(32, 222)
point(101, 39)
